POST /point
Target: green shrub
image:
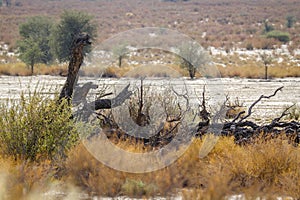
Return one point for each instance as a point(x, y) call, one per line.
point(249, 46)
point(290, 20)
point(268, 27)
point(281, 36)
point(36, 127)
point(138, 188)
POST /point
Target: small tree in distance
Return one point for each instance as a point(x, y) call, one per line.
point(290, 20)
point(30, 53)
point(119, 51)
point(267, 60)
point(192, 57)
point(267, 26)
point(34, 45)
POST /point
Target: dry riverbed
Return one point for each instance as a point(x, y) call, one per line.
point(246, 90)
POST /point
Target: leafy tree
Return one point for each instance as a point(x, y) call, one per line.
point(34, 45)
point(267, 60)
point(290, 20)
point(72, 23)
point(6, 3)
point(30, 52)
point(192, 56)
point(268, 27)
point(119, 52)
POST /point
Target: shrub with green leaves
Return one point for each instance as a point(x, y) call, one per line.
point(36, 127)
point(290, 21)
point(138, 188)
point(278, 35)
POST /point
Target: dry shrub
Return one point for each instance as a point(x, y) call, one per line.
point(15, 69)
point(109, 71)
point(20, 69)
point(88, 173)
point(22, 179)
point(53, 70)
point(257, 71)
point(243, 72)
point(280, 72)
point(136, 71)
point(258, 169)
point(265, 168)
point(152, 70)
point(263, 43)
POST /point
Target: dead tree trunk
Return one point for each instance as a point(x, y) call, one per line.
point(74, 65)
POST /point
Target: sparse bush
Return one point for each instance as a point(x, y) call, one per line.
point(18, 4)
point(229, 168)
point(20, 69)
point(192, 57)
point(234, 108)
point(290, 20)
point(249, 46)
point(281, 36)
point(268, 43)
point(268, 27)
point(138, 188)
point(294, 113)
point(267, 60)
point(36, 127)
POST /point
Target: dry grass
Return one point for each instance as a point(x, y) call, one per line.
point(16, 69)
point(256, 71)
point(248, 70)
point(143, 70)
point(24, 180)
point(264, 168)
point(20, 69)
point(226, 22)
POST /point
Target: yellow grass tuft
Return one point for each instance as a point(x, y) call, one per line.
point(254, 71)
point(263, 168)
point(20, 69)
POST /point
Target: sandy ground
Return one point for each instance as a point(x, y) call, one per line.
point(246, 90)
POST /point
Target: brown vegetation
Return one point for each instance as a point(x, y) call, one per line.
point(264, 168)
point(246, 71)
point(20, 69)
point(225, 22)
point(258, 72)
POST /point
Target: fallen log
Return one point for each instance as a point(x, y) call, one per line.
point(244, 130)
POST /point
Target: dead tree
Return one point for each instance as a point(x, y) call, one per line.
point(244, 130)
point(140, 113)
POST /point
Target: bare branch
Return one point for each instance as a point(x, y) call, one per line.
point(284, 113)
point(258, 100)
